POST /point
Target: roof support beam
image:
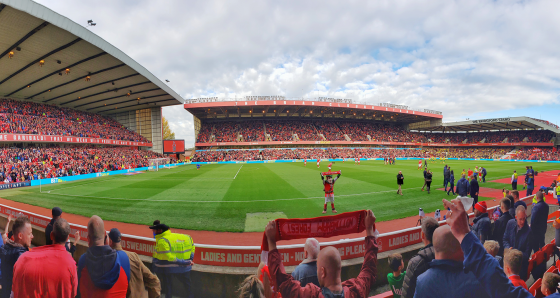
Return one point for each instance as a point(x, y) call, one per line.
point(147, 104)
point(15, 45)
point(58, 71)
point(101, 100)
point(102, 92)
point(41, 58)
point(117, 103)
point(92, 86)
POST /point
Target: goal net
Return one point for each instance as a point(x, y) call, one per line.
point(158, 163)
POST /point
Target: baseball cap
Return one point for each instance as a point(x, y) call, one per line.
point(115, 235)
point(159, 227)
point(56, 211)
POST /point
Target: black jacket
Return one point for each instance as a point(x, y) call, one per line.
point(400, 179)
point(9, 253)
point(500, 229)
point(474, 187)
point(416, 266)
point(48, 231)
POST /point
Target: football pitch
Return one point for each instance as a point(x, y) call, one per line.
point(242, 197)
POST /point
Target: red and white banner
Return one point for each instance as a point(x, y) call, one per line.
point(67, 139)
point(263, 143)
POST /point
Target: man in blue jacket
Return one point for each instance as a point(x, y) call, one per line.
point(501, 223)
point(445, 177)
point(446, 277)
point(539, 216)
point(483, 174)
point(463, 186)
point(477, 261)
point(518, 235)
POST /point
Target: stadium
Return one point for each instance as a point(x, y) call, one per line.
point(81, 129)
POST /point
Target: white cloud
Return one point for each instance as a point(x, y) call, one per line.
point(459, 57)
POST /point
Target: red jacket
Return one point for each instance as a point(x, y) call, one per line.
point(46, 271)
point(518, 282)
point(353, 288)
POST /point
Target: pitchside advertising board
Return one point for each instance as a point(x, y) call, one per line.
point(173, 146)
point(250, 256)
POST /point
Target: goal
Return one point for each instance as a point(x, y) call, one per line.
point(157, 163)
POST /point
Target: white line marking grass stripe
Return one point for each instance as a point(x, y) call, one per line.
point(148, 200)
point(237, 172)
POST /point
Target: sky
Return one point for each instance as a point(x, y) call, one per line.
point(467, 58)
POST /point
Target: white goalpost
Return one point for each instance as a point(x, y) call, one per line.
point(157, 163)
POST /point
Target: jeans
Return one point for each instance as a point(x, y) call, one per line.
point(451, 188)
point(184, 277)
point(529, 192)
point(484, 178)
point(445, 182)
point(514, 185)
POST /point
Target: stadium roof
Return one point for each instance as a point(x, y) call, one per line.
point(46, 57)
point(269, 107)
point(494, 124)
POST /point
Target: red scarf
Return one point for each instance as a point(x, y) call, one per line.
point(324, 226)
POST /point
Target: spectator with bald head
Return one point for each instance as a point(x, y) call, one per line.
point(49, 270)
point(306, 271)
point(518, 235)
point(328, 269)
point(446, 277)
point(102, 271)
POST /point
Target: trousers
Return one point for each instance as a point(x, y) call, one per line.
point(184, 277)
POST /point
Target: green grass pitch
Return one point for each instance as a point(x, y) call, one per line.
point(211, 199)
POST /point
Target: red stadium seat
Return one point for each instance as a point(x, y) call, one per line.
point(535, 289)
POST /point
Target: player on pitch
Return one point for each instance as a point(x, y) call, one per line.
point(330, 166)
point(420, 164)
point(318, 162)
point(328, 187)
point(305, 162)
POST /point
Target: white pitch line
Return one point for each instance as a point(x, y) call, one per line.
point(237, 172)
point(147, 200)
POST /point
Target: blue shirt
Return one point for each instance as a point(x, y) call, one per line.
point(306, 273)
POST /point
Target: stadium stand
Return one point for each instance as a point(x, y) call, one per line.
point(323, 153)
point(306, 130)
point(42, 119)
point(32, 163)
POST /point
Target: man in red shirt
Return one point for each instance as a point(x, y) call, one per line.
point(47, 271)
point(470, 172)
point(328, 269)
point(512, 265)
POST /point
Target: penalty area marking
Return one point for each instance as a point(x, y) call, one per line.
point(148, 200)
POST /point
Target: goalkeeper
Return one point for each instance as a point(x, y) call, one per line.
point(328, 187)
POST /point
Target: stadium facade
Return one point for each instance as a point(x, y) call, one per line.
point(45, 58)
point(212, 114)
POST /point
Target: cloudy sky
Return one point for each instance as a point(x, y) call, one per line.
point(469, 59)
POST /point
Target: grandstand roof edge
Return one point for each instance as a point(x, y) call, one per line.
point(39, 11)
point(307, 102)
point(534, 122)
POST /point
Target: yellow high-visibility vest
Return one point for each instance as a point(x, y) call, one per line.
point(172, 247)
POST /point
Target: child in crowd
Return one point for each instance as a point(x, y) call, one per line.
point(397, 277)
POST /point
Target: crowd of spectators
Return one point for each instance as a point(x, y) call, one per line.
point(42, 119)
point(32, 163)
point(280, 130)
point(537, 154)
